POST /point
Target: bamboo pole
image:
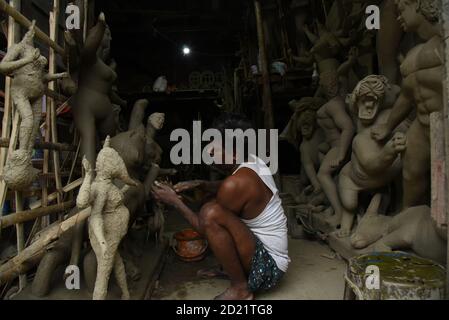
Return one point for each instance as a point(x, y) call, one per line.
point(13, 37)
point(4, 143)
point(71, 186)
point(20, 234)
point(29, 257)
point(24, 216)
point(26, 23)
point(54, 20)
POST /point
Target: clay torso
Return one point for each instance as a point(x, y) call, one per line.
point(325, 121)
point(423, 74)
point(29, 77)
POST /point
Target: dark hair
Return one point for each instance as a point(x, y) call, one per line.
point(232, 121)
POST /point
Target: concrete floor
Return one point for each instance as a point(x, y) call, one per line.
point(312, 275)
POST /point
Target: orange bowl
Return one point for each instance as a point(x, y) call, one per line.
point(190, 245)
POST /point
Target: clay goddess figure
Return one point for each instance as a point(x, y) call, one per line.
point(373, 165)
point(108, 222)
point(422, 71)
point(26, 66)
point(92, 107)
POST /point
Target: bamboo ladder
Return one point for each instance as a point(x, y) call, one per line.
point(10, 128)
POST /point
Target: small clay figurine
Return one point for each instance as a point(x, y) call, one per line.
point(26, 66)
point(108, 222)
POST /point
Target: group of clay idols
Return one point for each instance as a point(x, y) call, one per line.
point(117, 179)
point(359, 145)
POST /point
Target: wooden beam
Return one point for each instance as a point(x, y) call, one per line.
point(32, 254)
point(444, 9)
point(4, 143)
point(25, 216)
point(26, 23)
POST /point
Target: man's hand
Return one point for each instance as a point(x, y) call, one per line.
point(189, 185)
point(165, 194)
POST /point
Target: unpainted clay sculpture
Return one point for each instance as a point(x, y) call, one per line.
point(24, 63)
point(338, 130)
point(92, 107)
point(373, 164)
point(108, 222)
point(422, 71)
point(413, 229)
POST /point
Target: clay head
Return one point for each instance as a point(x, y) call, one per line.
point(111, 166)
point(307, 123)
point(157, 120)
point(367, 98)
point(412, 13)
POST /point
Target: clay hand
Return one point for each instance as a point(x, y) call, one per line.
point(336, 163)
point(165, 194)
point(32, 29)
point(87, 166)
point(188, 185)
point(399, 142)
point(36, 55)
point(380, 132)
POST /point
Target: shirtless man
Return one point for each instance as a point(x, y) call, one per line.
point(373, 165)
point(338, 130)
point(422, 71)
point(245, 225)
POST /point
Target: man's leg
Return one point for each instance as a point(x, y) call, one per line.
point(232, 243)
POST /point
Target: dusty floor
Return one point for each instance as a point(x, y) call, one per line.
point(311, 276)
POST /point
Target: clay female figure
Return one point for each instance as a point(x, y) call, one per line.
point(422, 71)
point(92, 107)
point(373, 165)
point(108, 222)
point(26, 66)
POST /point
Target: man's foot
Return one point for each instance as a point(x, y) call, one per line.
point(235, 294)
point(212, 273)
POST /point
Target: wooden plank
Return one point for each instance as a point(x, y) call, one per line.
point(438, 170)
point(4, 143)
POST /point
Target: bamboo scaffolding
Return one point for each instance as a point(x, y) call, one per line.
point(24, 216)
point(4, 143)
point(26, 23)
point(31, 255)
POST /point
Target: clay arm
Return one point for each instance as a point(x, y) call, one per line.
point(309, 168)
point(115, 99)
point(9, 63)
point(311, 36)
point(53, 77)
point(304, 60)
point(344, 123)
point(346, 66)
point(94, 40)
point(83, 199)
point(375, 162)
point(400, 111)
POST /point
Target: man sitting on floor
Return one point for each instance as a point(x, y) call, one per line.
point(245, 224)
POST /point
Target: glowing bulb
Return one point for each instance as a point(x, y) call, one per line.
point(186, 51)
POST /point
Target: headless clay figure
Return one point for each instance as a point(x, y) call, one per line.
point(373, 165)
point(92, 107)
point(422, 71)
point(108, 222)
point(26, 66)
point(412, 229)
